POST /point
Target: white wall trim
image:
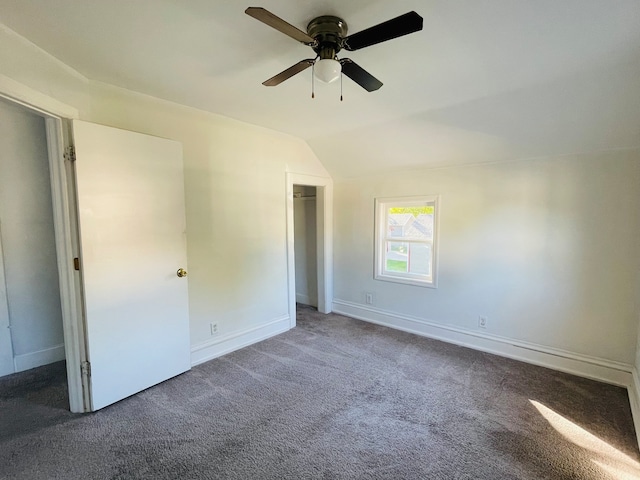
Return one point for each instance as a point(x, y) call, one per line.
point(595, 368)
point(324, 240)
point(302, 298)
point(223, 344)
point(64, 227)
point(33, 99)
point(634, 400)
point(27, 361)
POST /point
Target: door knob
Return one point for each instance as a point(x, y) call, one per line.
point(182, 272)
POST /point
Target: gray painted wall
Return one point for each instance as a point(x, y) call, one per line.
point(28, 242)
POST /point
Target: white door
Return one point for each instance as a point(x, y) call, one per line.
point(6, 346)
point(132, 237)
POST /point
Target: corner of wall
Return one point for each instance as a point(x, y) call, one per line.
point(634, 400)
point(219, 346)
point(31, 360)
point(53, 83)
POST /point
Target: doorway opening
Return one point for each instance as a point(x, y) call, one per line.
point(305, 245)
point(44, 344)
point(309, 260)
point(31, 326)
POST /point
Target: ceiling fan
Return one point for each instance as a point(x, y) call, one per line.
point(327, 35)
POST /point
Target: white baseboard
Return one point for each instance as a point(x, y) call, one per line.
point(218, 346)
point(634, 401)
point(31, 360)
point(303, 299)
point(595, 368)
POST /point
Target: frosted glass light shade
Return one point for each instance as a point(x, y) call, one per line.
point(327, 70)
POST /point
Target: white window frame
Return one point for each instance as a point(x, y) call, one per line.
point(382, 206)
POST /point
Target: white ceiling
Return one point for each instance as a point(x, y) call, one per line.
point(485, 80)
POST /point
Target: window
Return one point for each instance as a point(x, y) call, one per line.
point(406, 240)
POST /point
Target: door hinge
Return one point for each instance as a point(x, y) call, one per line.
point(76, 264)
point(70, 153)
point(85, 368)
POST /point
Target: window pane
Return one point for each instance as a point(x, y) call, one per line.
point(396, 256)
point(419, 259)
point(410, 222)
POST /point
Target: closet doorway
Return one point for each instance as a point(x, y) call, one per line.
point(31, 325)
point(323, 188)
point(305, 244)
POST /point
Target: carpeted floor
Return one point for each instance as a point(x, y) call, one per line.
point(335, 398)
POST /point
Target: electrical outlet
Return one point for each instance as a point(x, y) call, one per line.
point(214, 328)
point(482, 321)
point(368, 298)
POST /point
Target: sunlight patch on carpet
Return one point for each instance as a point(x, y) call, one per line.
point(611, 460)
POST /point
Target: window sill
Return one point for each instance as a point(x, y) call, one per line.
point(406, 280)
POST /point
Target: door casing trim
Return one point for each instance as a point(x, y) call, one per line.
point(56, 115)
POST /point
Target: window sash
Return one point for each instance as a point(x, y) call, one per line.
point(383, 239)
point(408, 273)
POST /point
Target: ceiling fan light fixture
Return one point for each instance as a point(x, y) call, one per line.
point(327, 70)
point(327, 35)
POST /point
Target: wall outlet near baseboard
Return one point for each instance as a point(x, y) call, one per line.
point(482, 321)
point(368, 298)
point(214, 328)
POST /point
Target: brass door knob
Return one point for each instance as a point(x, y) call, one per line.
point(182, 272)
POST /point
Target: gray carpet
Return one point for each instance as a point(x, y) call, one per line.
point(334, 398)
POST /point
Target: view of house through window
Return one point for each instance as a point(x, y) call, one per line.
point(405, 241)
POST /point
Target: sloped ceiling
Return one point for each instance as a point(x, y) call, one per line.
point(486, 80)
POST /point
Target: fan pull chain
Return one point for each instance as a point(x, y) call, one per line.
point(341, 87)
point(313, 76)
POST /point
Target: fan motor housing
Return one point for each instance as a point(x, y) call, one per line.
point(328, 31)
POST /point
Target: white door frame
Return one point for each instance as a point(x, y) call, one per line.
point(55, 113)
point(324, 241)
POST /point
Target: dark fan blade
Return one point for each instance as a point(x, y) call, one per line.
point(359, 75)
point(288, 73)
point(394, 28)
point(273, 21)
